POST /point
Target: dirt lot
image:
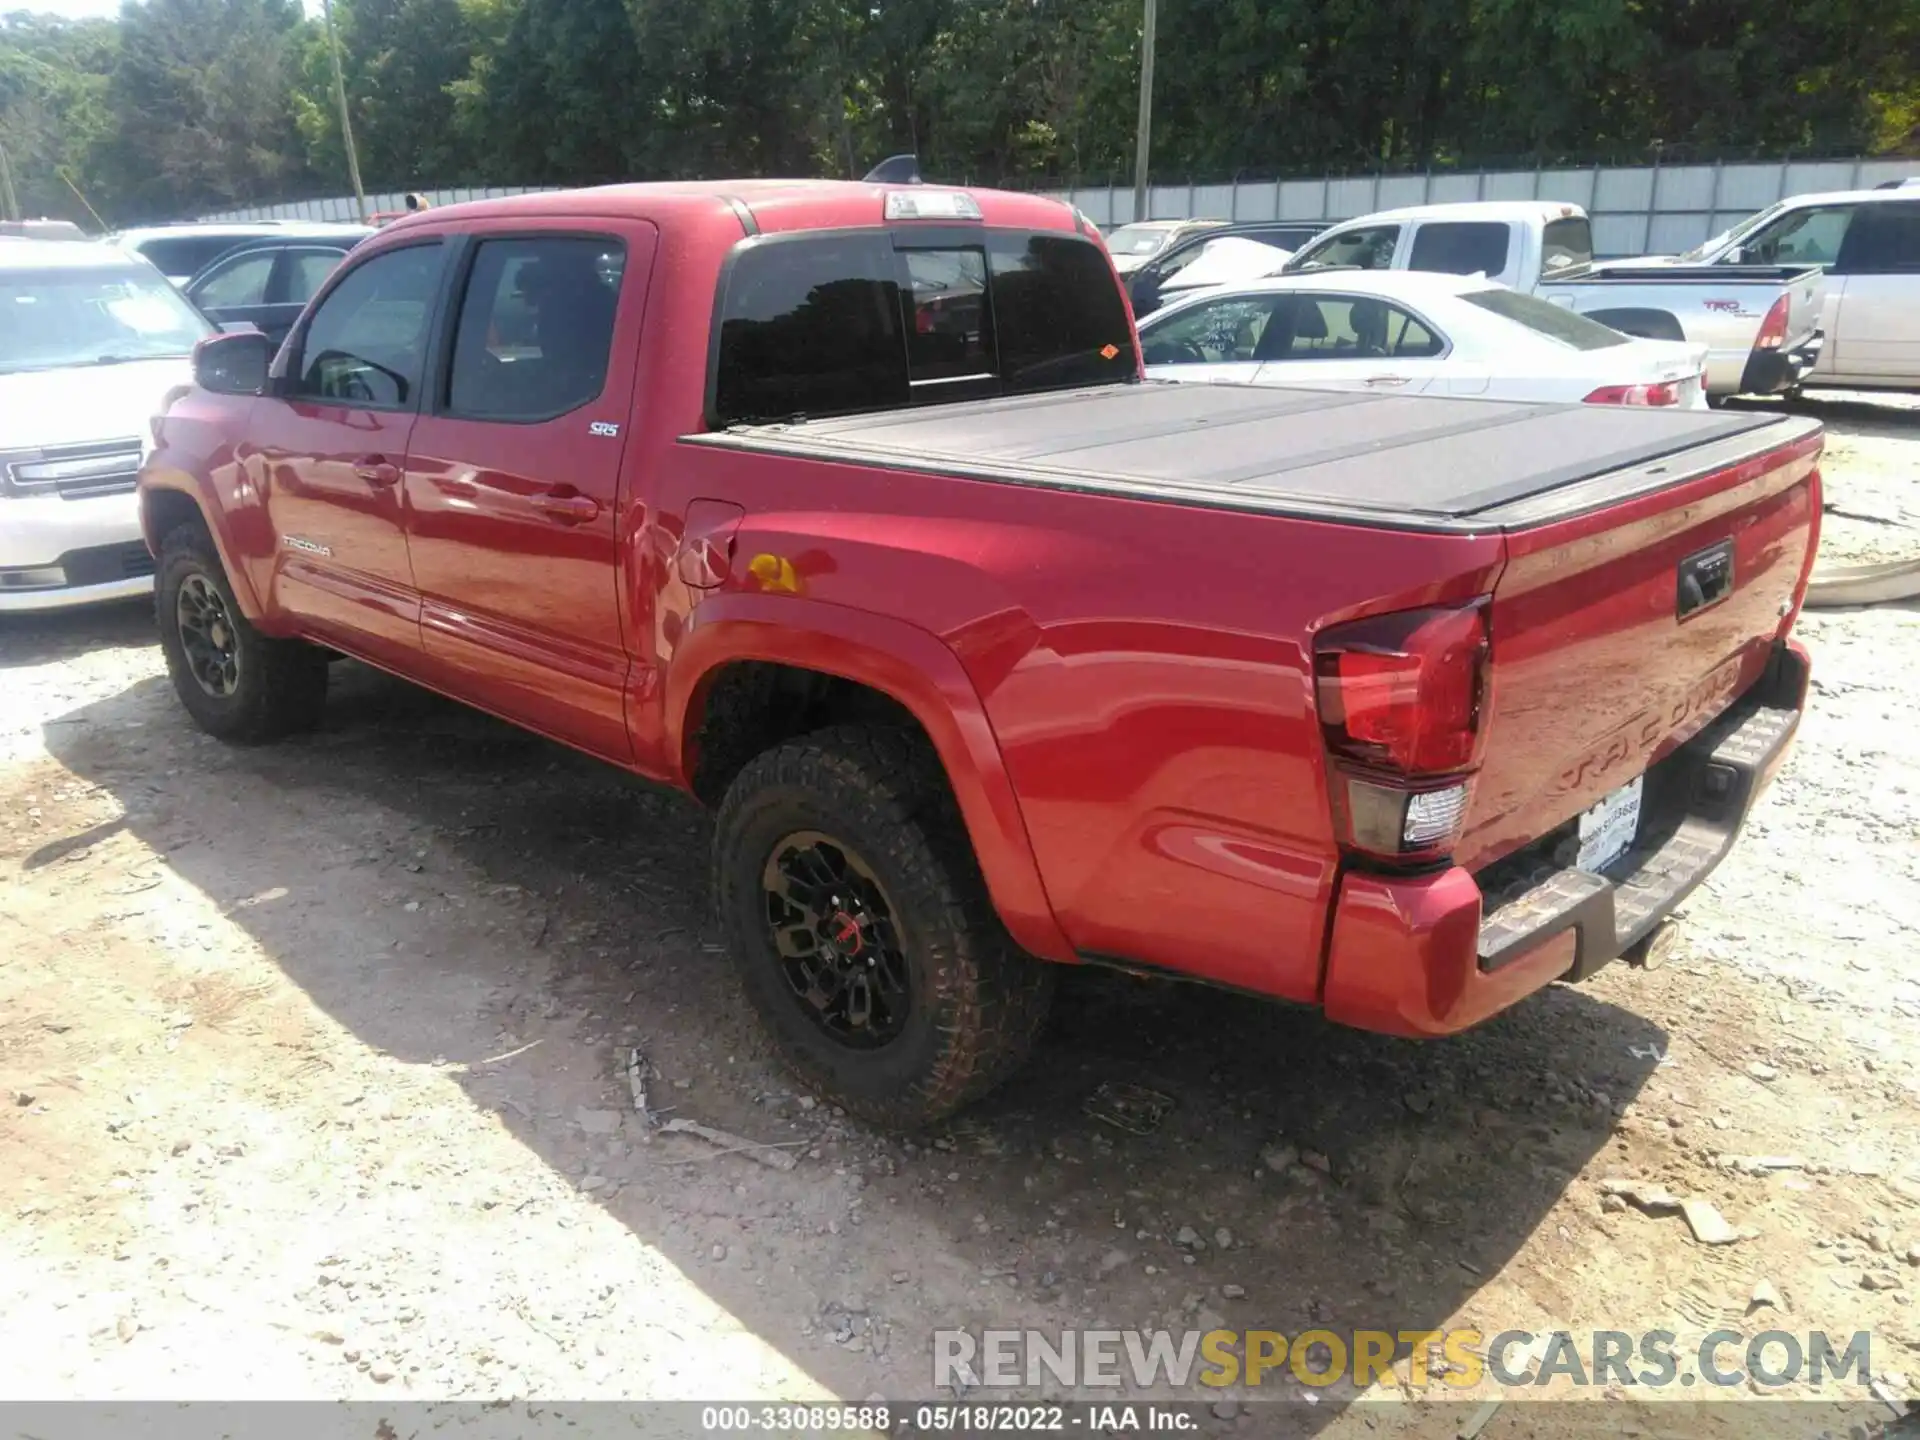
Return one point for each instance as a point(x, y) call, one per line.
point(311, 1067)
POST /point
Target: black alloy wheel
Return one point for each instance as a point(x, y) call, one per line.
point(833, 928)
point(207, 637)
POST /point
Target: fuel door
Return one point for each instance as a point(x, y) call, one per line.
point(705, 558)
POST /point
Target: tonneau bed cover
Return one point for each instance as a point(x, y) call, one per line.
point(1414, 462)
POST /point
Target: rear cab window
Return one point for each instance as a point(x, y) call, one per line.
point(1454, 247)
point(834, 323)
point(1566, 242)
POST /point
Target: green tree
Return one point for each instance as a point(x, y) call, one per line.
point(54, 78)
point(186, 105)
point(200, 105)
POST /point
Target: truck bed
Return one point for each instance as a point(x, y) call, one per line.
point(1401, 462)
point(1640, 272)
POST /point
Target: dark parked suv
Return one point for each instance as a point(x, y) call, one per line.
point(267, 282)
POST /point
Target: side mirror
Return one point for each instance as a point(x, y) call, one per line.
point(1736, 256)
point(233, 364)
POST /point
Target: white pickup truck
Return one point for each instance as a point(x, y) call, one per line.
point(1758, 322)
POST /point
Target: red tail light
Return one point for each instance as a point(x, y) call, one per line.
point(1773, 329)
point(1667, 392)
point(1403, 691)
point(1402, 700)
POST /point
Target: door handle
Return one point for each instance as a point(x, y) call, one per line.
point(377, 470)
point(566, 509)
point(1387, 379)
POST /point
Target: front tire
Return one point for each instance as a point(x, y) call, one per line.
point(237, 684)
point(862, 931)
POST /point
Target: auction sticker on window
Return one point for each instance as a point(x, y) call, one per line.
point(1609, 827)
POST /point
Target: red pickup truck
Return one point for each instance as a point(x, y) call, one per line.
point(847, 509)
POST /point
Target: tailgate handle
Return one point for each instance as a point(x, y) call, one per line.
point(1704, 579)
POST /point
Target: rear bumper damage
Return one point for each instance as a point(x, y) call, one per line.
point(1433, 954)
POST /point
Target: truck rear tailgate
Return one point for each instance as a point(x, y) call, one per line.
point(1622, 632)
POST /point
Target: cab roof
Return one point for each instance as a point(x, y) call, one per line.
point(759, 205)
point(1494, 210)
point(1907, 193)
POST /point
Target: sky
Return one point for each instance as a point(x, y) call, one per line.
point(69, 9)
point(89, 9)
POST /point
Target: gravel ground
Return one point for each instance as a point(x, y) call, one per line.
point(312, 1067)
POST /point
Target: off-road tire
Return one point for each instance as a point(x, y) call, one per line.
point(281, 685)
point(977, 1001)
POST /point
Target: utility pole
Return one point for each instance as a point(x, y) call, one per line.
point(68, 180)
point(9, 202)
point(346, 121)
point(1144, 135)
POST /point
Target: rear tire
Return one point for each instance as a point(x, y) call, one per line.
point(862, 931)
point(236, 683)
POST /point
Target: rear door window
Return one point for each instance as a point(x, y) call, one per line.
point(1885, 241)
point(841, 323)
point(536, 327)
point(241, 280)
point(1452, 247)
point(303, 272)
point(1350, 327)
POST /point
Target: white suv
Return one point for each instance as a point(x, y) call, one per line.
point(91, 342)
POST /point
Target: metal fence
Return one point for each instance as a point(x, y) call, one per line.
point(1636, 210)
point(1639, 210)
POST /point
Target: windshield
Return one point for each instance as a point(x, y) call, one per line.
point(1544, 318)
point(1368, 247)
point(51, 319)
point(1138, 239)
point(1739, 232)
